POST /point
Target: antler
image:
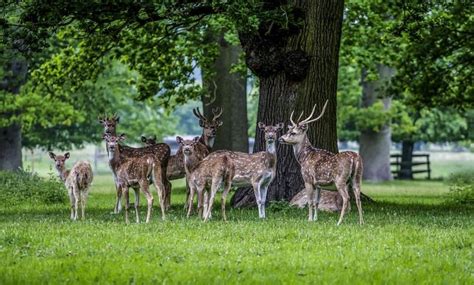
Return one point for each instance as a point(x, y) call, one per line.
point(198, 114)
point(307, 120)
point(217, 113)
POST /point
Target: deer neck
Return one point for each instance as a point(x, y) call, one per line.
point(301, 148)
point(190, 162)
point(114, 156)
point(63, 174)
point(270, 148)
point(207, 141)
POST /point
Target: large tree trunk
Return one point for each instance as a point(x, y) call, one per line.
point(375, 146)
point(10, 135)
point(407, 159)
point(228, 90)
point(297, 68)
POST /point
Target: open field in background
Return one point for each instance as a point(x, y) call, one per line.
point(412, 235)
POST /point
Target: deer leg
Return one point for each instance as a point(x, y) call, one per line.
point(149, 199)
point(160, 182)
point(72, 199)
point(227, 186)
point(258, 199)
point(137, 202)
point(310, 197)
point(168, 194)
point(342, 189)
point(263, 195)
point(77, 198)
point(356, 189)
point(127, 203)
point(118, 200)
point(188, 190)
point(316, 201)
point(214, 187)
point(189, 200)
point(200, 202)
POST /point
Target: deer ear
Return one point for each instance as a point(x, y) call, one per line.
point(66, 155)
point(261, 125)
point(304, 127)
point(201, 123)
point(52, 155)
point(280, 126)
point(219, 123)
point(117, 119)
point(101, 120)
point(143, 139)
point(196, 139)
point(122, 137)
point(179, 140)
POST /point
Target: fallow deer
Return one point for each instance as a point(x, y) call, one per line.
point(77, 181)
point(135, 172)
point(256, 169)
point(161, 151)
point(321, 167)
point(209, 127)
point(209, 172)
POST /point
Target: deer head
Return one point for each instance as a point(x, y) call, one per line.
point(209, 126)
point(112, 142)
point(188, 146)
point(149, 141)
point(297, 131)
point(59, 160)
point(109, 123)
point(271, 132)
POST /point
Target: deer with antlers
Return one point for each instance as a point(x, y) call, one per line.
point(160, 151)
point(320, 167)
point(77, 181)
point(135, 172)
point(176, 169)
point(256, 169)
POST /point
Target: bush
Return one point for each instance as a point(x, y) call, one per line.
point(461, 187)
point(22, 186)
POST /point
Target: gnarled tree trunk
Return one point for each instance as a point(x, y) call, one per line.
point(228, 90)
point(375, 146)
point(297, 68)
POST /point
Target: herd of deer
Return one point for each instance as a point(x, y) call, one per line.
point(206, 171)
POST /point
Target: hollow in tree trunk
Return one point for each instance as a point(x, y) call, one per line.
point(297, 67)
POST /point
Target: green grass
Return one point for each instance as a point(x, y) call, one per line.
point(411, 236)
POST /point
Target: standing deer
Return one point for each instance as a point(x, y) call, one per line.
point(256, 169)
point(175, 168)
point(208, 172)
point(161, 152)
point(77, 181)
point(135, 172)
point(321, 167)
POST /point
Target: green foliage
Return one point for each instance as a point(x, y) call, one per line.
point(461, 187)
point(25, 187)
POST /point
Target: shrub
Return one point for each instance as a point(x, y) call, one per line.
point(23, 186)
point(461, 187)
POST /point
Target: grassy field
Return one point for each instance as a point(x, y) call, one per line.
point(411, 236)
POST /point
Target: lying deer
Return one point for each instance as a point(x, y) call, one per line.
point(209, 172)
point(77, 181)
point(321, 167)
point(135, 172)
point(257, 169)
point(160, 151)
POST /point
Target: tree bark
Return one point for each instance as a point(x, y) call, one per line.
point(228, 91)
point(375, 146)
point(297, 68)
point(407, 159)
point(10, 135)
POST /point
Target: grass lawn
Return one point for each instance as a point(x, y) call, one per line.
point(411, 236)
